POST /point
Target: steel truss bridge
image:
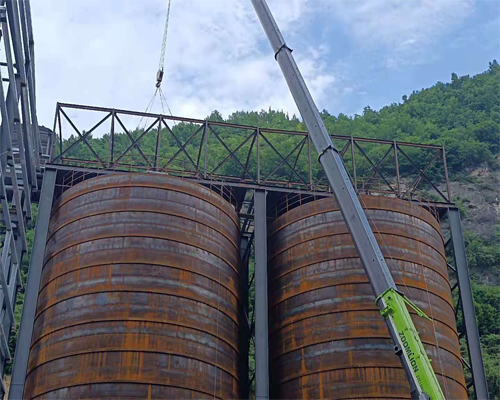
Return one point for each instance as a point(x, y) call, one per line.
point(263, 172)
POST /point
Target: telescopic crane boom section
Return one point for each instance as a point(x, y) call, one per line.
point(392, 303)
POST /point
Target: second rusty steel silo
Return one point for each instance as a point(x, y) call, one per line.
point(327, 337)
point(139, 296)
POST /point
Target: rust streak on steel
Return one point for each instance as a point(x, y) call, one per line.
point(140, 293)
point(327, 337)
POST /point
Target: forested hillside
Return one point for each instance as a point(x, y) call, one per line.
point(462, 115)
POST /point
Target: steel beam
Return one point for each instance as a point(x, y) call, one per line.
point(244, 173)
point(261, 305)
point(33, 283)
point(469, 313)
point(238, 126)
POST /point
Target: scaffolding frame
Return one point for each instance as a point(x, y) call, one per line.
point(23, 149)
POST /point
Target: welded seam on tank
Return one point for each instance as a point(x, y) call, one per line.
point(138, 236)
point(171, 183)
point(283, 381)
point(174, 231)
point(193, 191)
point(122, 259)
point(403, 266)
point(75, 334)
point(197, 291)
point(344, 283)
point(76, 270)
point(395, 366)
point(385, 396)
point(276, 331)
point(278, 225)
point(70, 209)
point(333, 258)
point(66, 199)
point(180, 228)
point(371, 203)
point(362, 368)
point(195, 297)
point(402, 270)
point(361, 337)
point(92, 321)
point(235, 294)
point(369, 370)
point(121, 381)
point(180, 216)
point(39, 312)
point(284, 325)
point(347, 244)
point(364, 337)
point(104, 383)
point(347, 234)
point(390, 220)
point(100, 351)
point(35, 353)
point(340, 226)
point(272, 283)
point(341, 257)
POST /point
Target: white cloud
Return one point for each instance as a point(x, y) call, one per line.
point(106, 53)
point(401, 30)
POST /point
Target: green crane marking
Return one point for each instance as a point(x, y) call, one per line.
point(395, 309)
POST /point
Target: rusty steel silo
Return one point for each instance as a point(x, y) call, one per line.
point(139, 294)
point(327, 337)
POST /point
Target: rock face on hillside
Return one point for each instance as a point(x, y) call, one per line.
point(477, 194)
point(479, 199)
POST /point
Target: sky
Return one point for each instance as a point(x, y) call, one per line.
point(352, 53)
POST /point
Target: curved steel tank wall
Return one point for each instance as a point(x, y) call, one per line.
point(327, 337)
point(139, 293)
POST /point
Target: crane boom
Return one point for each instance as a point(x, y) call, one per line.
point(392, 303)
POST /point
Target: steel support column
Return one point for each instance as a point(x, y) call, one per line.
point(260, 308)
point(32, 285)
point(474, 346)
point(244, 331)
